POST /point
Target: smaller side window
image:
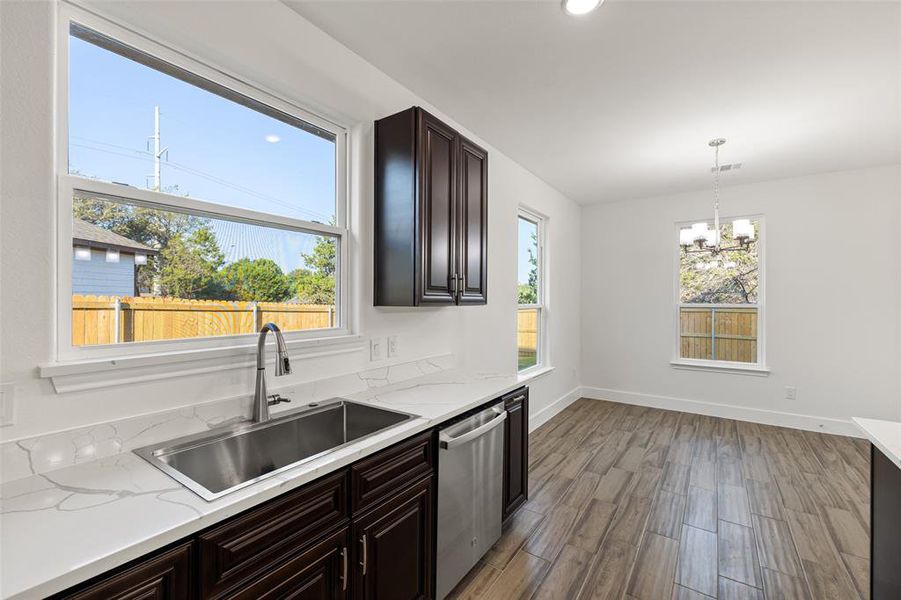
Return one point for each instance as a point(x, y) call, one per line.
point(530, 291)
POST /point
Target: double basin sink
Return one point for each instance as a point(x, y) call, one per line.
point(217, 462)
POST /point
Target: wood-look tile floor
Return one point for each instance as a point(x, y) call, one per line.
point(640, 503)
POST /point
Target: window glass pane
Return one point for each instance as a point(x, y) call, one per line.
point(718, 333)
point(527, 337)
point(528, 262)
point(727, 333)
point(141, 274)
point(730, 278)
point(528, 319)
point(133, 124)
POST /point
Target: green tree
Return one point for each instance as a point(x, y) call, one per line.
point(315, 282)
point(149, 226)
point(190, 266)
point(258, 280)
point(730, 278)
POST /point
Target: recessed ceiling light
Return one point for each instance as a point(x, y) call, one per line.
point(273, 139)
point(580, 7)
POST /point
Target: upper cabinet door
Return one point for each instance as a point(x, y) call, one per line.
point(438, 214)
point(473, 224)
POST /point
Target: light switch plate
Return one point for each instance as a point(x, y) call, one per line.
point(7, 404)
point(377, 349)
point(392, 346)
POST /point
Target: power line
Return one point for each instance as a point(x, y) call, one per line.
point(197, 172)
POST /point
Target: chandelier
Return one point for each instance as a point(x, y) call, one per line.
point(700, 239)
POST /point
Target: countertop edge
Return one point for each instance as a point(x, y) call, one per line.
point(869, 428)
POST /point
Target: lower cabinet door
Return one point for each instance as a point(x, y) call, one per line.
point(164, 577)
point(393, 547)
point(516, 451)
point(885, 541)
point(319, 573)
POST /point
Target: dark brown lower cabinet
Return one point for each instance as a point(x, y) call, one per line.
point(258, 541)
point(393, 547)
point(164, 577)
point(885, 521)
point(516, 450)
point(319, 573)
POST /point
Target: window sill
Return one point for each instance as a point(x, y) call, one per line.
point(721, 367)
point(79, 375)
point(533, 373)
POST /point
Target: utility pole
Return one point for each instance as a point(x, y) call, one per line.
point(157, 150)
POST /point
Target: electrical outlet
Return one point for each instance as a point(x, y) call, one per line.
point(392, 346)
point(7, 404)
point(791, 392)
point(376, 349)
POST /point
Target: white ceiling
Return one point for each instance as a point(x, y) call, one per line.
point(621, 103)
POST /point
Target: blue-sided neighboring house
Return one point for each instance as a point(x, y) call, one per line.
point(105, 263)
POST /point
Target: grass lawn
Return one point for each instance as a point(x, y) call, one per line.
point(527, 358)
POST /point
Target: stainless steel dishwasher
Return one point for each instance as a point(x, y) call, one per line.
point(470, 492)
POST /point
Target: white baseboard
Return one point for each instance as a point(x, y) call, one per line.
point(544, 415)
point(727, 411)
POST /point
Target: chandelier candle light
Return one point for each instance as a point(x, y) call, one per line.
point(708, 240)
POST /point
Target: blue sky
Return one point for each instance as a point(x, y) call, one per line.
point(218, 150)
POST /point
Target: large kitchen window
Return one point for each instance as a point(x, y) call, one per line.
point(191, 205)
point(720, 299)
point(531, 311)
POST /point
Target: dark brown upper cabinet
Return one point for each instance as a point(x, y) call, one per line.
point(431, 213)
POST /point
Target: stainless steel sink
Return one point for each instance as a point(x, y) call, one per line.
point(217, 462)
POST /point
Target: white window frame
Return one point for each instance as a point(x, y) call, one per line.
point(756, 368)
point(541, 221)
point(188, 348)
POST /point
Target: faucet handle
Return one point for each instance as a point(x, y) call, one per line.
point(274, 399)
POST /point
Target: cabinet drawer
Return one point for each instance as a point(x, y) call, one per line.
point(165, 577)
point(319, 572)
point(378, 477)
point(254, 541)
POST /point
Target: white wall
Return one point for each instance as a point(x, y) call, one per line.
point(832, 288)
point(511, 187)
point(270, 45)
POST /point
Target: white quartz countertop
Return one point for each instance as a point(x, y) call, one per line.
point(885, 435)
point(63, 527)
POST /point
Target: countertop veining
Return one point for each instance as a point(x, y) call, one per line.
point(66, 526)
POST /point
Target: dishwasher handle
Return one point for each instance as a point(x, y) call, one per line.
point(447, 442)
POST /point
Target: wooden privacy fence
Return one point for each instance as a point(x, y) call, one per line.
point(718, 333)
point(112, 319)
point(527, 331)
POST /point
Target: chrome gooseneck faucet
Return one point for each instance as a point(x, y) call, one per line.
point(282, 367)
